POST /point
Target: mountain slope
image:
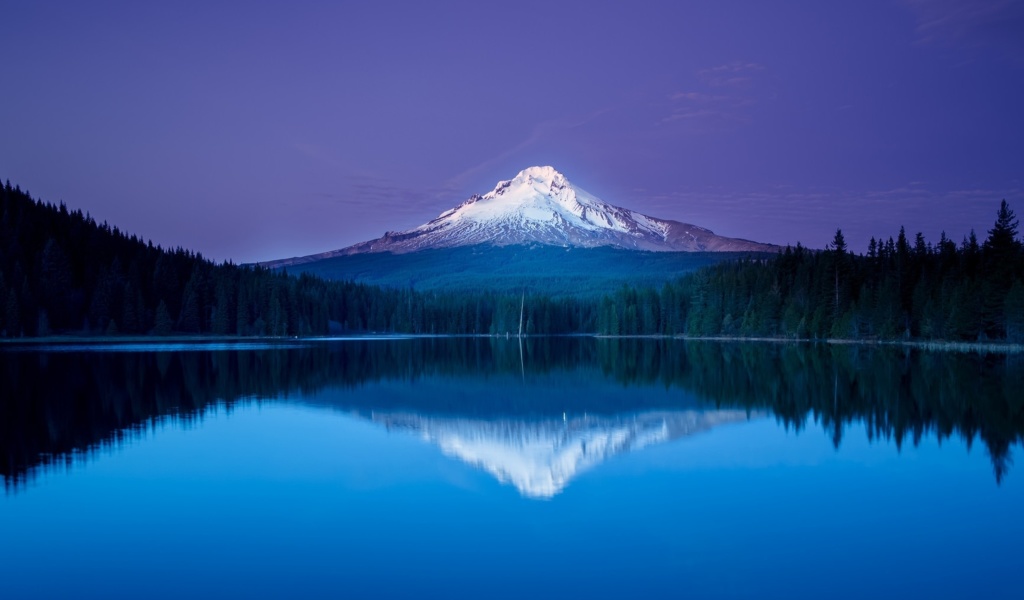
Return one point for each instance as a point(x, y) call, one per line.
point(540, 206)
point(61, 272)
point(551, 270)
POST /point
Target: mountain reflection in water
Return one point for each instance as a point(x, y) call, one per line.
point(535, 419)
point(540, 456)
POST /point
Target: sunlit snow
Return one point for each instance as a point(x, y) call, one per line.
point(541, 457)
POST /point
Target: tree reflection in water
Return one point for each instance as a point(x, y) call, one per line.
point(59, 407)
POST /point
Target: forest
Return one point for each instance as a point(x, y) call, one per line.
point(898, 290)
point(61, 272)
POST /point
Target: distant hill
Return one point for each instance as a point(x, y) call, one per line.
point(61, 272)
point(537, 268)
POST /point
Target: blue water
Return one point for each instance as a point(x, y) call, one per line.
point(310, 493)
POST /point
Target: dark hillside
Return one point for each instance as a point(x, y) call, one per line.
point(901, 289)
point(549, 270)
point(62, 272)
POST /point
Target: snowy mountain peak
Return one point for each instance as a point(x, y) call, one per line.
point(541, 206)
point(538, 200)
point(546, 173)
point(539, 177)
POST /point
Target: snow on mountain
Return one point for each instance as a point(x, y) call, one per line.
point(541, 457)
point(539, 205)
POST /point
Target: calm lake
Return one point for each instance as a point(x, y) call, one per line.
point(564, 467)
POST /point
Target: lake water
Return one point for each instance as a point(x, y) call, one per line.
point(476, 468)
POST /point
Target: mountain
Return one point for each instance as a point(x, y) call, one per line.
point(539, 457)
point(541, 206)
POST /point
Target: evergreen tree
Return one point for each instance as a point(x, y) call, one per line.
point(840, 270)
point(1002, 243)
point(222, 320)
point(839, 242)
point(242, 321)
point(163, 325)
point(190, 320)
point(130, 310)
point(55, 283)
point(1014, 313)
point(12, 321)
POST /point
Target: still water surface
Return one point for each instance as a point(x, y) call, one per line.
point(479, 468)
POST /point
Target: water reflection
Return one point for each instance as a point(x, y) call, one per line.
point(534, 419)
point(540, 456)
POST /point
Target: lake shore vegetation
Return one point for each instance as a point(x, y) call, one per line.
point(62, 273)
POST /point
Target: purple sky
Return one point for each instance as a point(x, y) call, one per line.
point(253, 132)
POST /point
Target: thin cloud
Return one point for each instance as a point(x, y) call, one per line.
point(998, 23)
point(367, 197)
point(540, 131)
point(811, 215)
point(698, 97)
point(319, 154)
point(722, 104)
point(730, 75)
point(364, 193)
point(367, 194)
point(701, 113)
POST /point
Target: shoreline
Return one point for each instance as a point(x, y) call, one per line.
point(931, 345)
point(87, 340)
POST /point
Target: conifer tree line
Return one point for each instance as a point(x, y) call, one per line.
point(899, 289)
point(61, 272)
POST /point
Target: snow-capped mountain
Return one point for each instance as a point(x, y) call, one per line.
point(539, 205)
point(541, 457)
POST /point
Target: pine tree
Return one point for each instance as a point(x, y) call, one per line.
point(3, 303)
point(163, 324)
point(222, 315)
point(840, 270)
point(1002, 238)
point(55, 282)
point(839, 242)
point(43, 326)
point(130, 310)
point(1014, 313)
point(242, 314)
point(189, 320)
point(1000, 255)
point(12, 320)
